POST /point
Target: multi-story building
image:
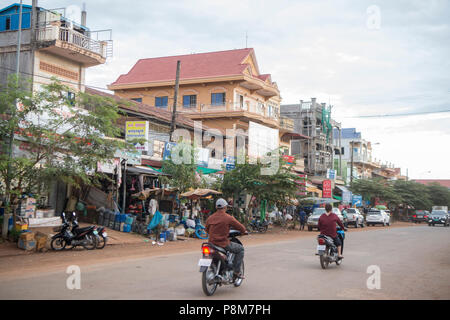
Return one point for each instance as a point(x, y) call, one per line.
point(224, 90)
point(51, 45)
point(313, 122)
point(354, 149)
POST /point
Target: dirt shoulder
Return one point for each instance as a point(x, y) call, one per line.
point(16, 263)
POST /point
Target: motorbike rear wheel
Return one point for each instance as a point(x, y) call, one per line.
point(101, 242)
point(207, 277)
point(324, 259)
point(92, 242)
point(58, 244)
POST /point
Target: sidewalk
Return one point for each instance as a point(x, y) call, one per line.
point(15, 262)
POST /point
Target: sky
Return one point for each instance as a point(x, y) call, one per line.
point(366, 58)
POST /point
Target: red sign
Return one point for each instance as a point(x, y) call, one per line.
point(289, 159)
point(326, 189)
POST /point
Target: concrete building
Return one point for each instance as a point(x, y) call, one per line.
point(354, 149)
point(312, 121)
point(224, 90)
point(51, 46)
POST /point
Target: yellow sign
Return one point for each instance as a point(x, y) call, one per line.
point(137, 130)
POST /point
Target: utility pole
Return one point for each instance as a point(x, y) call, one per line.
point(174, 110)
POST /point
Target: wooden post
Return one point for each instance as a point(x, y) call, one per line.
point(174, 109)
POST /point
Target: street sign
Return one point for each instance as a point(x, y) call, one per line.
point(357, 200)
point(331, 174)
point(168, 150)
point(326, 186)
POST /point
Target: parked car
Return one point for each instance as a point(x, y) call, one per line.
point(377, 216)
point(355, 218)
point(439, 217)
point(420, 216)
point(313, 219)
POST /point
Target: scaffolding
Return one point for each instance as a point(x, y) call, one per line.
point(313, 119)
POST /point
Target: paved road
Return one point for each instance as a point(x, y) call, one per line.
point(414, 264)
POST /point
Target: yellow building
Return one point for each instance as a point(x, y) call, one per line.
point(224, 90)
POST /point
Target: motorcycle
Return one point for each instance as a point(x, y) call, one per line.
point(216, 266)
point(66, 238)
point(102, 237)
point(257, 225)
point(327, 250)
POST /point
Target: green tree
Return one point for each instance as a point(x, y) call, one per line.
point(54, 136)
point(438, 195)
point(182, 172)
point(277, 188)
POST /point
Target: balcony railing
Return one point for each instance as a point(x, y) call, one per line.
point(54, 32)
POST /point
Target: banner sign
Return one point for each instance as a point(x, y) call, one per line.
point(301, 184)
point(137, 130)
point(326, 189)
point(331, 174)
point(357, 200)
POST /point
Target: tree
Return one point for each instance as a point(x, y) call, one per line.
point(413, 194)
point(54, 136)
point(182, 174)
point(439, 195)
point(277, 188)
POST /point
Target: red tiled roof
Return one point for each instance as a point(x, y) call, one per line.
point(200, 65)
point(161, 114)
point(442, 182)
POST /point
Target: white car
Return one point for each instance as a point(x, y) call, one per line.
point(354, 217)
point(313, 219)
point(377, 216)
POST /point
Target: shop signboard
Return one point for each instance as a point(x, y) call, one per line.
point(203, 157)
point(289, 159)
point(301, 184)
point(331, 174)
point(357, 200)
point(137, 130)
point(347, 197)
point(133, 158)
point(168, 146)
point(326, 189)
point(229, 162)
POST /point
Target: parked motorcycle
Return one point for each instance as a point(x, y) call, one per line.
point(102, 237)
point(327, 250)
point(68, 239)
point(217, 266)
point(258, 226)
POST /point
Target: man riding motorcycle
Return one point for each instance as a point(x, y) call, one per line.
point(218, 228)
point(327, 226)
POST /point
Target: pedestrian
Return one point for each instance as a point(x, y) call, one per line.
point(344, 215)
point(302, 214)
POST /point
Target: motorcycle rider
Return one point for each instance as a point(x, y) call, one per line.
point(218, 227)
point(327, 226)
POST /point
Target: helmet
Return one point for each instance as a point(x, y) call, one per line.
point(221, 203)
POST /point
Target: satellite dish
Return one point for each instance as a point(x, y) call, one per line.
point(73, 13)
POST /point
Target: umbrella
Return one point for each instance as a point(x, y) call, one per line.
point(199, 193)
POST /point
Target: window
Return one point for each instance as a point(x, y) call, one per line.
point(161, 102)
point(218, 99)
point(8, 23)
point(137, 99)
point(189, 101)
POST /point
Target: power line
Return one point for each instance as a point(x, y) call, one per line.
point(400, 114)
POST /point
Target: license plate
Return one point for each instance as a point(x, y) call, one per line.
point(204, 262)
point(104, 234)
point(321, 248)
point(95, 232)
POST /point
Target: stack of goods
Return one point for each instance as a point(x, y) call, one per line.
point(28, 207)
